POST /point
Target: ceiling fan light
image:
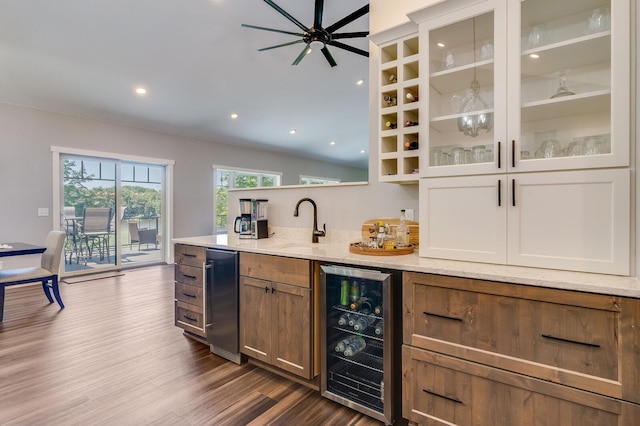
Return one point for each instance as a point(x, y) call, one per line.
point(316, 44)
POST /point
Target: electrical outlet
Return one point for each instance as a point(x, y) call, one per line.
point(43, 211)
point(408, 214)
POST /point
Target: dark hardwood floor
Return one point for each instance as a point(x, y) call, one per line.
point(113, 356)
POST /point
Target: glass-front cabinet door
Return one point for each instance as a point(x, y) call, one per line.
point(466, 55)
point(525, 85)
point(568, 84)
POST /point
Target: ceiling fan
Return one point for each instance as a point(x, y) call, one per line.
point(317, 35)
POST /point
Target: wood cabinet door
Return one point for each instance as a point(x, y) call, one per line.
point(291, 329)
point(441, 390)
point(255, 318)
point(570, 220)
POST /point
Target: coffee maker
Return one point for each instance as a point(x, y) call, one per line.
point(252, 222)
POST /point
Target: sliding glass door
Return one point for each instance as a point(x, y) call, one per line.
point(112, 211)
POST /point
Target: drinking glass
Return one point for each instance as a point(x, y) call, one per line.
point(478, 154)
point(551, 148)
point(599, 20)
point(562, 85)
point(457, 155)
point(537, 36)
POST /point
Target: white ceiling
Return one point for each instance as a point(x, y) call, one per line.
point(198, 64)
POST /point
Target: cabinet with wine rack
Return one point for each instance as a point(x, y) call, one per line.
point(398, 104)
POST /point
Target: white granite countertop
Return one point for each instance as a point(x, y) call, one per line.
point(338, 251)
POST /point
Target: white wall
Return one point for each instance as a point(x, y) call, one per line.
point(26, 167)
point(385, 14)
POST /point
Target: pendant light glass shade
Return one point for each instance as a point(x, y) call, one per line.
point(471, 124)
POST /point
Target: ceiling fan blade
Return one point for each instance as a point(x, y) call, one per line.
point(302, 54)
point(286, 15)
point(271, 29)
point(328, 56)
point(317, 15)
point(280, 45)
point(336, 36)
point(349, 48)
point(347, 19)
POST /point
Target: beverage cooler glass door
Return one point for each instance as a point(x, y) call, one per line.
point(357, 349)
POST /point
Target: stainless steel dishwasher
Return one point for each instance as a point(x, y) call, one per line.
point(221, 301)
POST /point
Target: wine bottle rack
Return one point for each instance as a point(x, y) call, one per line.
point(399, 94)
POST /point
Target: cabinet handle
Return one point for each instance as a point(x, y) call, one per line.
point(499, 155)
point(456, 400)
point(441, 316)
point(513, 153)
point(273, 290)
point(499, 192)
point(193, 277)
point(577, 342)
point(266, 289)
point(188, 294)
point(188, 318)
point(513, 192)
point(188, 255)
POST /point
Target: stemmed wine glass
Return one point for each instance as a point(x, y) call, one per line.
point(562, 87)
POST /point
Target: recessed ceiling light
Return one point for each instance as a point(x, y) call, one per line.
point(360, 82)
point(141, 90)
point(292, 131)
point(440, 44)
point(234, 115)
point(534, 56)
point(362, 151)
point(332, 143)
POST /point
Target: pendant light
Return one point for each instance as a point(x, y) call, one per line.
point(471, 124)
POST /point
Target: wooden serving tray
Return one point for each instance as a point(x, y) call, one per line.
point(370, 228)
point(357, 249)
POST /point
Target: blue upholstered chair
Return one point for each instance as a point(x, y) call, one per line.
point(47, 273)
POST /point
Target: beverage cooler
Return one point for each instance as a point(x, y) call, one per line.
point(361, 339)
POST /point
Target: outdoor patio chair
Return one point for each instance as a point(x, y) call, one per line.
point(142, 235)
point(47, 273)
point(96, 229)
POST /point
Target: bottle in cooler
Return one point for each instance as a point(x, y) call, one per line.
point(355, 346)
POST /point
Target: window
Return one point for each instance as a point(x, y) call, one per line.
point(311, 180)
point(229, 178)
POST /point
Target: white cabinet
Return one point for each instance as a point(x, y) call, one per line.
point(527, 102)
point(575, 220)
point(398, 104)
point(523, 86)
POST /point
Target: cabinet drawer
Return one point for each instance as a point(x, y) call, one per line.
point(441, 390)
point(190, 294)
point(189, 275)
point(285, 270)
point(571, 339)
point(189, 317)
point(189, 255)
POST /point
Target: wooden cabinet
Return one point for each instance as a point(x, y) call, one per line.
point(276, 312)
point(577, 220)
point(565, 352)
point(190, 289)
point(442, 390)
point(512, 89)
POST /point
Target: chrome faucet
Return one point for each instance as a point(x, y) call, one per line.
point(316, 233)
